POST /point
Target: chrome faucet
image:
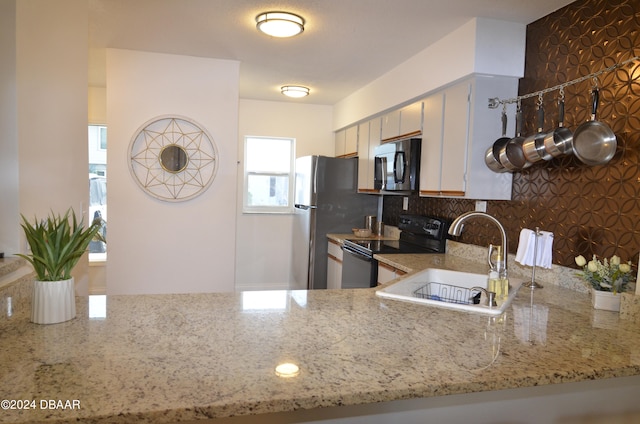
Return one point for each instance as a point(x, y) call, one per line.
point(456, 229)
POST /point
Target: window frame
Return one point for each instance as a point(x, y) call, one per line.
point(266, 209)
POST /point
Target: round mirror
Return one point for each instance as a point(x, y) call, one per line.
point(173, 158)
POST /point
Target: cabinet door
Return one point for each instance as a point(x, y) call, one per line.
point(391, 125)
point(334, 273)
point(455, 139)
point(386, 273)
point(351, 141)
point(334, 265)
point(431, 149)
point(411, 119)
point(365, 179)
point(341, 143)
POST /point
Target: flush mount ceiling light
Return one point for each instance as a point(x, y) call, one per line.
point(294, 90)
point(280, 24)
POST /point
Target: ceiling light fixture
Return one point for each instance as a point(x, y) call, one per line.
point(294, 91)
point(280, 24)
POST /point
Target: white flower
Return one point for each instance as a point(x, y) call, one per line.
point(592, 266)
point(624, 268)
point(581, 261)
point(615, 260)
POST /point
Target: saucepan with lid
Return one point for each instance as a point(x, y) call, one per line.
point(594, 143)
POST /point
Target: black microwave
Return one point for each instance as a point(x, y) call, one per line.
point(397, 165)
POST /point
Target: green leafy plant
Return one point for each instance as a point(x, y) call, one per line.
point(57, 244)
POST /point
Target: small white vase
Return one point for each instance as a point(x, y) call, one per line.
point(53, 301)
point(605, 300)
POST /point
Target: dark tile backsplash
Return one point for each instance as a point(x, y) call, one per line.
point(590, 210)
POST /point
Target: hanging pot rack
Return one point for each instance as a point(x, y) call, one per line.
point(495, 102)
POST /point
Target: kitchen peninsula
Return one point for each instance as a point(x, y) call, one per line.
point(189, 357)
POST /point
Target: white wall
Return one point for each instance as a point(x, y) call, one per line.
point(264, 254)
point(170, 247)
point(482, 45)
point(52, 85)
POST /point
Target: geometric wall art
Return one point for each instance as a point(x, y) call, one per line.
point(172, 158)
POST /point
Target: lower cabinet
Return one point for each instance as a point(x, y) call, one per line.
point(387, 273)
point(334, 265)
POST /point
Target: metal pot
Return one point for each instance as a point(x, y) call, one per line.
point(560, 141)
point(511, 154)
point(533, 146)
point(594, 143)
point(492, 156)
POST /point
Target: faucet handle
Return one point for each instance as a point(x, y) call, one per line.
point(490, 297)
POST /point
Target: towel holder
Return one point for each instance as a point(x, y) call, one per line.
point(533, 284)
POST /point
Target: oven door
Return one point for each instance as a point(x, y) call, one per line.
point(358, 270)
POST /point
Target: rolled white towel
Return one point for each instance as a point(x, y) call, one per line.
point(524, 254)
point(545, 251)
point(526, 248)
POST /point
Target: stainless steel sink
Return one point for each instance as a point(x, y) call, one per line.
point(446, 289)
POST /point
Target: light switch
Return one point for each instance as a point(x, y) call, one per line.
point(405, 203)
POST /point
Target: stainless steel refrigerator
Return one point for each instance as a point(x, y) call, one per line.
point(326, 201)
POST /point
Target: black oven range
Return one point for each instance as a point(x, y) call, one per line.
point(420, 234)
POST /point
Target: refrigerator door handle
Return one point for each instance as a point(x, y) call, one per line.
point(305, 207)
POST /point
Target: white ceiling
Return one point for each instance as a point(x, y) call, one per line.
point(346, 43)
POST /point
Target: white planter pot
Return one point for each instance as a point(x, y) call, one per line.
point(605, 300)
point(53, 301)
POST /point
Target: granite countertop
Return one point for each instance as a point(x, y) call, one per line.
point(171, 358)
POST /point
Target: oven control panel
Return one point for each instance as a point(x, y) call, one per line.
point(424, 225)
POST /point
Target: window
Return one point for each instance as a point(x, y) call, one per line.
point(268, 174)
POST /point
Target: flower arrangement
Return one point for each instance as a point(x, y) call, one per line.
point(606, 275)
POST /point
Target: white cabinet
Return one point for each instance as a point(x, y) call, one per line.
point(405, 122)
point(458, 128)
point(346, 142)
point(340, 142)
point(351, 141)
point(387, 273)
point(411, 119)
point(431, 148)
point(390, 125)
point(334, 265)
point(368, 139)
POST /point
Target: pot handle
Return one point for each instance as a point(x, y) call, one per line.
point(504, 122)
point(596, 98)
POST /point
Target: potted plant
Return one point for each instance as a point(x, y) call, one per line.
point(56, 244)
point(607, 278)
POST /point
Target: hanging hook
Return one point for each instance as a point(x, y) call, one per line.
point(562, 93)
point(539, 99)
point(595, 82)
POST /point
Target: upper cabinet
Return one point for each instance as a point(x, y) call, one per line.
point(411, 119)
point(346, 142)
point(458, 129)
point(404, 122)
point(390, 125)
point(368, 139)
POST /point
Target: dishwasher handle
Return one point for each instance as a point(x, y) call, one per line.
point(356, 254)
